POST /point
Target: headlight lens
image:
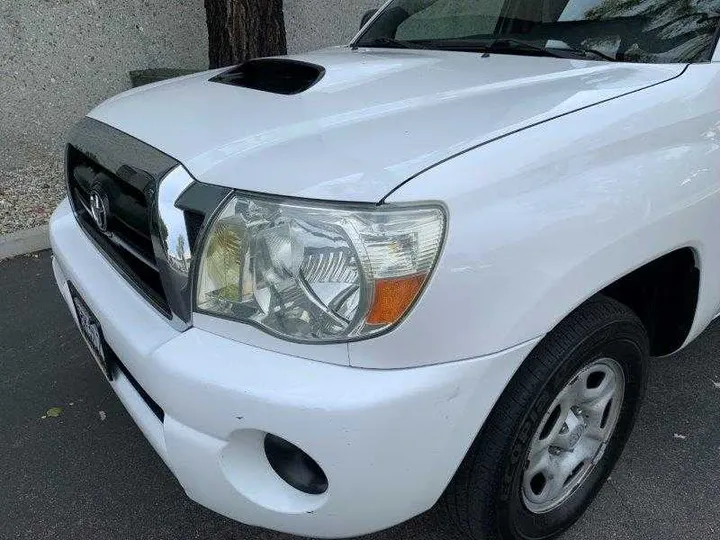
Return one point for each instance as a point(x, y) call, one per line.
point(317, 273)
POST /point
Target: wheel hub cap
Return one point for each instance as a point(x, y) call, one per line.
point(573, 435)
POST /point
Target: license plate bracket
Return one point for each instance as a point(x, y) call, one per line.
point(91, 332)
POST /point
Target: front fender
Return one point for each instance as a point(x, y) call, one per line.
point(541, 220)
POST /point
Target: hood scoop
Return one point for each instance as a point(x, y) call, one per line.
point(274, 75)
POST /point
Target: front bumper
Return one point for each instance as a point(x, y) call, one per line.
point(389, 441)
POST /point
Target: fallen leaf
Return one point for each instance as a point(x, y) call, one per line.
point(54, 412)
point(103, 416)
point(678, 436)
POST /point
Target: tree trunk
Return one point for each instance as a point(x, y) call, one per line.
point(242, 29)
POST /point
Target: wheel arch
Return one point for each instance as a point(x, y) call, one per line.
point(664, 294)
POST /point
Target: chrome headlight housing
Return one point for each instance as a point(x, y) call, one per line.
point(315, 272)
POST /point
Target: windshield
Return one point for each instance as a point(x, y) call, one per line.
point(656, 31)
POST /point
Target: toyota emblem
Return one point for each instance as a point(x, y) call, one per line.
point(99, 209)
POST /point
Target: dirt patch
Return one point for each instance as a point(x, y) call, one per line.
point(29, 195)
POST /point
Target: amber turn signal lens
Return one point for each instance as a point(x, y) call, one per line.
point(393, 297)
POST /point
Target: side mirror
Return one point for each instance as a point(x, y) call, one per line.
point(366, 18)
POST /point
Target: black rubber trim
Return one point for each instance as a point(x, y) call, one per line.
point(199, 202)
point(116, 364)
point(202, 198)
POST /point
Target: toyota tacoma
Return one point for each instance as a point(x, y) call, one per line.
point(334, 289)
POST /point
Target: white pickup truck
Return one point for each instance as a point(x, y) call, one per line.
point(335, 288)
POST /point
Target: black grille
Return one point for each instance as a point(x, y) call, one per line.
point(128, 239)
point(127, 173)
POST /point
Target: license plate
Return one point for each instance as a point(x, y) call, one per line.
point(91, 331)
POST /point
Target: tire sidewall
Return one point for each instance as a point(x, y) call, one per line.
point(625, 343)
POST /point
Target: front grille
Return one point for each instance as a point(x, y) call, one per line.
point(127, 240)
point(142, 190)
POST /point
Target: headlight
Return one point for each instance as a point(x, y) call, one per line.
point(317, 272)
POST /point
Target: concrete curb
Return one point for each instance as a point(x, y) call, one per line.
point(24, 242)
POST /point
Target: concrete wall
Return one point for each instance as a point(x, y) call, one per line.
point(59, 58)
point(312, 24)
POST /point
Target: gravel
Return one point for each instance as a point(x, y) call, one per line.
point(28, 195)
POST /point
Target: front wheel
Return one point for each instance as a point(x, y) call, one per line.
point(557, 431)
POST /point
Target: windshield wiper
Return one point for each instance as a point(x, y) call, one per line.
point(390, 43)
point(564, 52)
point(586, 50)
point(510, 43)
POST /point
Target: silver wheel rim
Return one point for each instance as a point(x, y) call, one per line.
point(573, 435)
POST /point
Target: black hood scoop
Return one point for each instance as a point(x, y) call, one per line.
point(274, 75)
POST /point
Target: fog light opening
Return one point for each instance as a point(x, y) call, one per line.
point(294, 466)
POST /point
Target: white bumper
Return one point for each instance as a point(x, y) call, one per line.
point(389, 441)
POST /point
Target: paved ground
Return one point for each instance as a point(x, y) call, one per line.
point(89, 473)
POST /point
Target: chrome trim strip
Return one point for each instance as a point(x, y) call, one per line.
point(171, 219)
point(173, 251)
point(115, 239)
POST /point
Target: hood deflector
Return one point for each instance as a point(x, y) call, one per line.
point(275, 75)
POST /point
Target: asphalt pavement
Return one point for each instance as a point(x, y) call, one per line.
point(88, 472)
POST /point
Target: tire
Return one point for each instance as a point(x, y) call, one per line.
point(493, 494)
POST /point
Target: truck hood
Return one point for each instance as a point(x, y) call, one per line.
point(376, 118)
